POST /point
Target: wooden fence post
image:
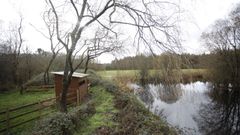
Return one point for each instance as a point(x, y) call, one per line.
point(78, 97)
point(8, 120)
point(58, 97)
point(39, 109)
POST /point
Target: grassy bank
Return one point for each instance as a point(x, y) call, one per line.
point(135, 119)
point(121, 114)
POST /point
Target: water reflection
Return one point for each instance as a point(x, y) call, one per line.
point(221, 116)
point(195, 108)
point(177, 103)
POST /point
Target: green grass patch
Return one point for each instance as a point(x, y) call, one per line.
point(105, 111)
point(132, 118)
point(14, 98)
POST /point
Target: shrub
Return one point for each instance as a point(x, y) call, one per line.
point(109, 86)
point(143, 76)
point(97, 80)
point(93, 77)
point(79, 114)
point(64, 123)
point(56, 124)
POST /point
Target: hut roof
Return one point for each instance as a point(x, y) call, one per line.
point(75, 74)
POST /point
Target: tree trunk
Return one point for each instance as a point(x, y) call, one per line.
point(14, 69)
point(46, 73)
point(86, 64)
point(45, 76)
point(66, 82)
point(63, 101)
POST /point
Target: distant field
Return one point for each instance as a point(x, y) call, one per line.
point(190, 71)
point(110, 74)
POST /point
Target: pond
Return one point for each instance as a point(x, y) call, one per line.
point(187, 106)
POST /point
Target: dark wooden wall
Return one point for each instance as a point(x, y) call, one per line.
point(76, 84)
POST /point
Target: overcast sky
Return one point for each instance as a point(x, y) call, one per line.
point(199, 14)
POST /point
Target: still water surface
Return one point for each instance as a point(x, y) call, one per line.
point(178, 104)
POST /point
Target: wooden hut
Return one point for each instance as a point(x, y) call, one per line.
point(78, 87)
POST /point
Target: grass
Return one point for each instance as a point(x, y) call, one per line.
point(192, 71)
point(105, 110)
point(114, 73)
point(105, 116)
point(13, 99)
point(110, 74)
point(186, 73)
point(132, 117)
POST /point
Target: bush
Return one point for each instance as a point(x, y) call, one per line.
point(64, 123)
point(93, 77)
point(97, 80)
point(79, 114)
point(143, 76)
point(56, 124)
point(109, 86)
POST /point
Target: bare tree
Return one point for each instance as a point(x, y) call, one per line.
point(222, 116)
point(223, 40)
point(101, 43)
point(17, 44)
point(11, 44)
point(55, 47)
point(152, 30)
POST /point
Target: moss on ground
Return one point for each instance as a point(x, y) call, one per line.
point(105, 112)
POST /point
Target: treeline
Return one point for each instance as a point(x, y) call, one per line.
point(17, 70)
point(184, 61)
